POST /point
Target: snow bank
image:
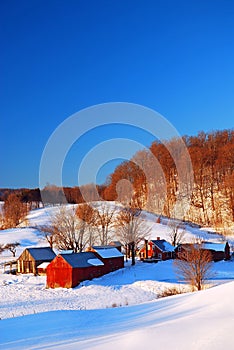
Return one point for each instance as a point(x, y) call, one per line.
point(202, 320)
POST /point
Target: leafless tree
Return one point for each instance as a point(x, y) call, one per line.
point(104, 222)
point(12, 247)
point(87, 217)
point(63, 231)
point(49, 233)
point(176, 232)
point(196, 268)
point(131, 227)
point(71, 228)
point(1, 248)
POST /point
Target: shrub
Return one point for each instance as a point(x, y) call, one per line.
point(167, 292)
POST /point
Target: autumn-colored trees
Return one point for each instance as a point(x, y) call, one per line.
point(154, 174)
point(14, 211)
point(161, 177)
point(212, 157)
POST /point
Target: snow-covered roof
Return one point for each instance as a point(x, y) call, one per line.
point(43, 265)
point(106, 253)
point(66, 251)
point(163, 245)
point(80, 260)
point(42, 253)
point(218, 247)
point(95, 262)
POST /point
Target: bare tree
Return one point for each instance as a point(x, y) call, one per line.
point(1, 248)
point(131, 227)
point(196, 267)
point(104, 222)
point(87, 217)
point(63, 231)
point(176, 232)
point(49, 233)
point(12, 247)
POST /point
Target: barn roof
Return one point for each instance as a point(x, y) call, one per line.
point(108, 252)
point(163, 245)
point(42, 253)
point(217, 247)
point(84, 259)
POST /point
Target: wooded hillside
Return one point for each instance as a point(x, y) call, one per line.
point(212, 158)
point(152, 177)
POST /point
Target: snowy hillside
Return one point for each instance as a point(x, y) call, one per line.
point(121, 309)
point(202, 320)
point(29, 236)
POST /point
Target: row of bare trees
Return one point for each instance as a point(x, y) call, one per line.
point(77, 228)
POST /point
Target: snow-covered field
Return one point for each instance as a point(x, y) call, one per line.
point(120, 309)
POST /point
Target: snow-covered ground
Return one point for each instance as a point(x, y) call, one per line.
point(120, 309)
point(202, 320)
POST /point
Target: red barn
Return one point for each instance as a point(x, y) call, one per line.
point(157, 249)
point(219, 251)
point(68, 270)
point(112, 258)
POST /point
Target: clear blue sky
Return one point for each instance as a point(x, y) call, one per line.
point(60, 56)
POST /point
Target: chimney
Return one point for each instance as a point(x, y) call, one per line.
point(146, 249)
point(158, 238)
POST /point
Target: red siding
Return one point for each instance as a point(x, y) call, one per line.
point(155, 252)
point(59, 274)
point(111, 264)
point(87, 273)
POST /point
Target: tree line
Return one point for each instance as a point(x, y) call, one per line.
point(212, 194)
point(155, 184)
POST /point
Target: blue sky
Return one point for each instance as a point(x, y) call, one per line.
point(58, 57)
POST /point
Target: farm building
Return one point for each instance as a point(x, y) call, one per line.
point(31, 258)
point(68, 270)
point(112, 258)
point(158, 249)
point(219, 251)
point(116, 244)
point(41, 269)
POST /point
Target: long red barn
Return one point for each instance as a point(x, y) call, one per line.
point(68, 270)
